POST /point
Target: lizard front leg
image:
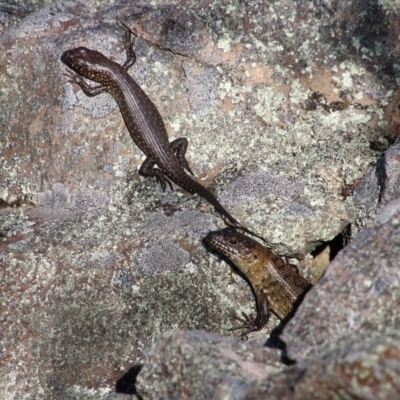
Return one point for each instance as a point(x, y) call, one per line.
point(257, 323)
point(87, 89)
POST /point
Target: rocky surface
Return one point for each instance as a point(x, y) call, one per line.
point(201, 365)
point(282, 105)
point(361, 368)
point(344, 337)
point(279, 131)
point(359, 292)
point(380, 186)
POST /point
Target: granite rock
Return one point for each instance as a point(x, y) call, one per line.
point(344, 337)
point(199, 365)
point(282, 105)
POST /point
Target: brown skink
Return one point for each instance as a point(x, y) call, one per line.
point(276, 284)
point(142, 119)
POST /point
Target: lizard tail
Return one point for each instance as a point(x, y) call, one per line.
point(232, 222)
point(241, 227)
point(193, 186)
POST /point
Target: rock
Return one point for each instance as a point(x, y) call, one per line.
point(308, 124)
point(357, 296)
point(380, 186)
point(119, 396)
point(199, 365)
point(282, 106)
point(359, 368)
point(344, 337)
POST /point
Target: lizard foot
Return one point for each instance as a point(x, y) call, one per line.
point(249, 324)
point(163, 182)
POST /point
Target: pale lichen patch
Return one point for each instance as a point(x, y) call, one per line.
point(267, 103)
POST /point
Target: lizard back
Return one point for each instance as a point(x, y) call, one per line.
point(282, 285)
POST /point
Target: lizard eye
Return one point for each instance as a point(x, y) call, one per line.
point(255, 256)
point(233, 242)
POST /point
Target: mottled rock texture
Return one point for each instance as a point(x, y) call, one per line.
point(379, 186)
point(344, 337)
point(280, 129)
point(358, 295)
point(282, 102)
point(201, 365)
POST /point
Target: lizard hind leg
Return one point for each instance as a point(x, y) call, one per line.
point(179, 147)
point(147, 169)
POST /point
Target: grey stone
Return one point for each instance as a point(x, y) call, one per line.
point(240, 80)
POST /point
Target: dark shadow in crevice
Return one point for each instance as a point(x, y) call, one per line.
point(275, 342)
point(339, 242)
point(381, 177)
point(127, 383)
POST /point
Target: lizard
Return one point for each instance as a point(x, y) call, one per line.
point(142, 119)
point(276, 284)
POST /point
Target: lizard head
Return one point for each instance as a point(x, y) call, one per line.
point(243, 251)
point(90, 64)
